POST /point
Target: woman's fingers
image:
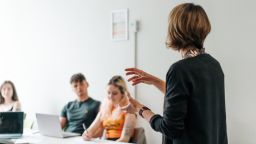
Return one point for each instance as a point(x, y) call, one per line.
point(131, 100)
point(145, 80)
point(137, 82)
point(130, 108)
point(86, 136)
point(132, 69)
point(131, 73)
point(135, 71)
point(139, 76)
point(128, 95)
point(133, 78)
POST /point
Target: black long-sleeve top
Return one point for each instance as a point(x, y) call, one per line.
point(194, 103)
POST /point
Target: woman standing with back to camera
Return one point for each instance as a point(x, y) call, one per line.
point(194, 102)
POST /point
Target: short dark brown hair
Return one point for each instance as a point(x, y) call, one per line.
point(14, 95)
point(188, 27)
point(78, 77)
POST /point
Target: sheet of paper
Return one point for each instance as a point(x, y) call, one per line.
point(27, 139)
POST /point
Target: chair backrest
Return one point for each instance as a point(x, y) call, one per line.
point(28, 121)
point(139, 136)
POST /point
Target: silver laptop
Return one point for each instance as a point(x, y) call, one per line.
point(11, 125)
point(49, 125)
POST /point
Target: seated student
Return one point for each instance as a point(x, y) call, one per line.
point(81, 112)
point(117, 124)
point(8, 98)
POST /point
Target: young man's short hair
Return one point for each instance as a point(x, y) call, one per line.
point(78, 77)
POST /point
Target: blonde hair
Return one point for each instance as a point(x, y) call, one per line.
point(107, 105)
point(188, 27)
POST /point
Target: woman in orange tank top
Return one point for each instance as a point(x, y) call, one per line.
point(112, 120)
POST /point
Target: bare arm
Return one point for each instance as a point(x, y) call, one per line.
point(139, 76)
point(147, 114)
point(172, 123)
point(135, 106)
point(160, 84)
point(16, 106)
point(128, 129)
point(98, 133)
point(94, 130)
point(63, 122)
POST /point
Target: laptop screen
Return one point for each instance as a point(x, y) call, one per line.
point(11, 122)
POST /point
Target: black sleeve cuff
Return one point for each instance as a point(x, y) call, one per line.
point(153, 122)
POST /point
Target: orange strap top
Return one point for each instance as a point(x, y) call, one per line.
point(114, 127)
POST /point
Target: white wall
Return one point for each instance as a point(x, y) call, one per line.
point(42, 43)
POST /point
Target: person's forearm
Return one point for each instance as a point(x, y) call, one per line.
point(16, 107)
point(160, 84)
point(97, 133)
point(62, 126)
point(93, 132)
point(63, 122)
point(123, 139)
point(147, 114)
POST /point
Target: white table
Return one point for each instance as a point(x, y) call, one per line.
point(37, 138)
point(52, 140)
